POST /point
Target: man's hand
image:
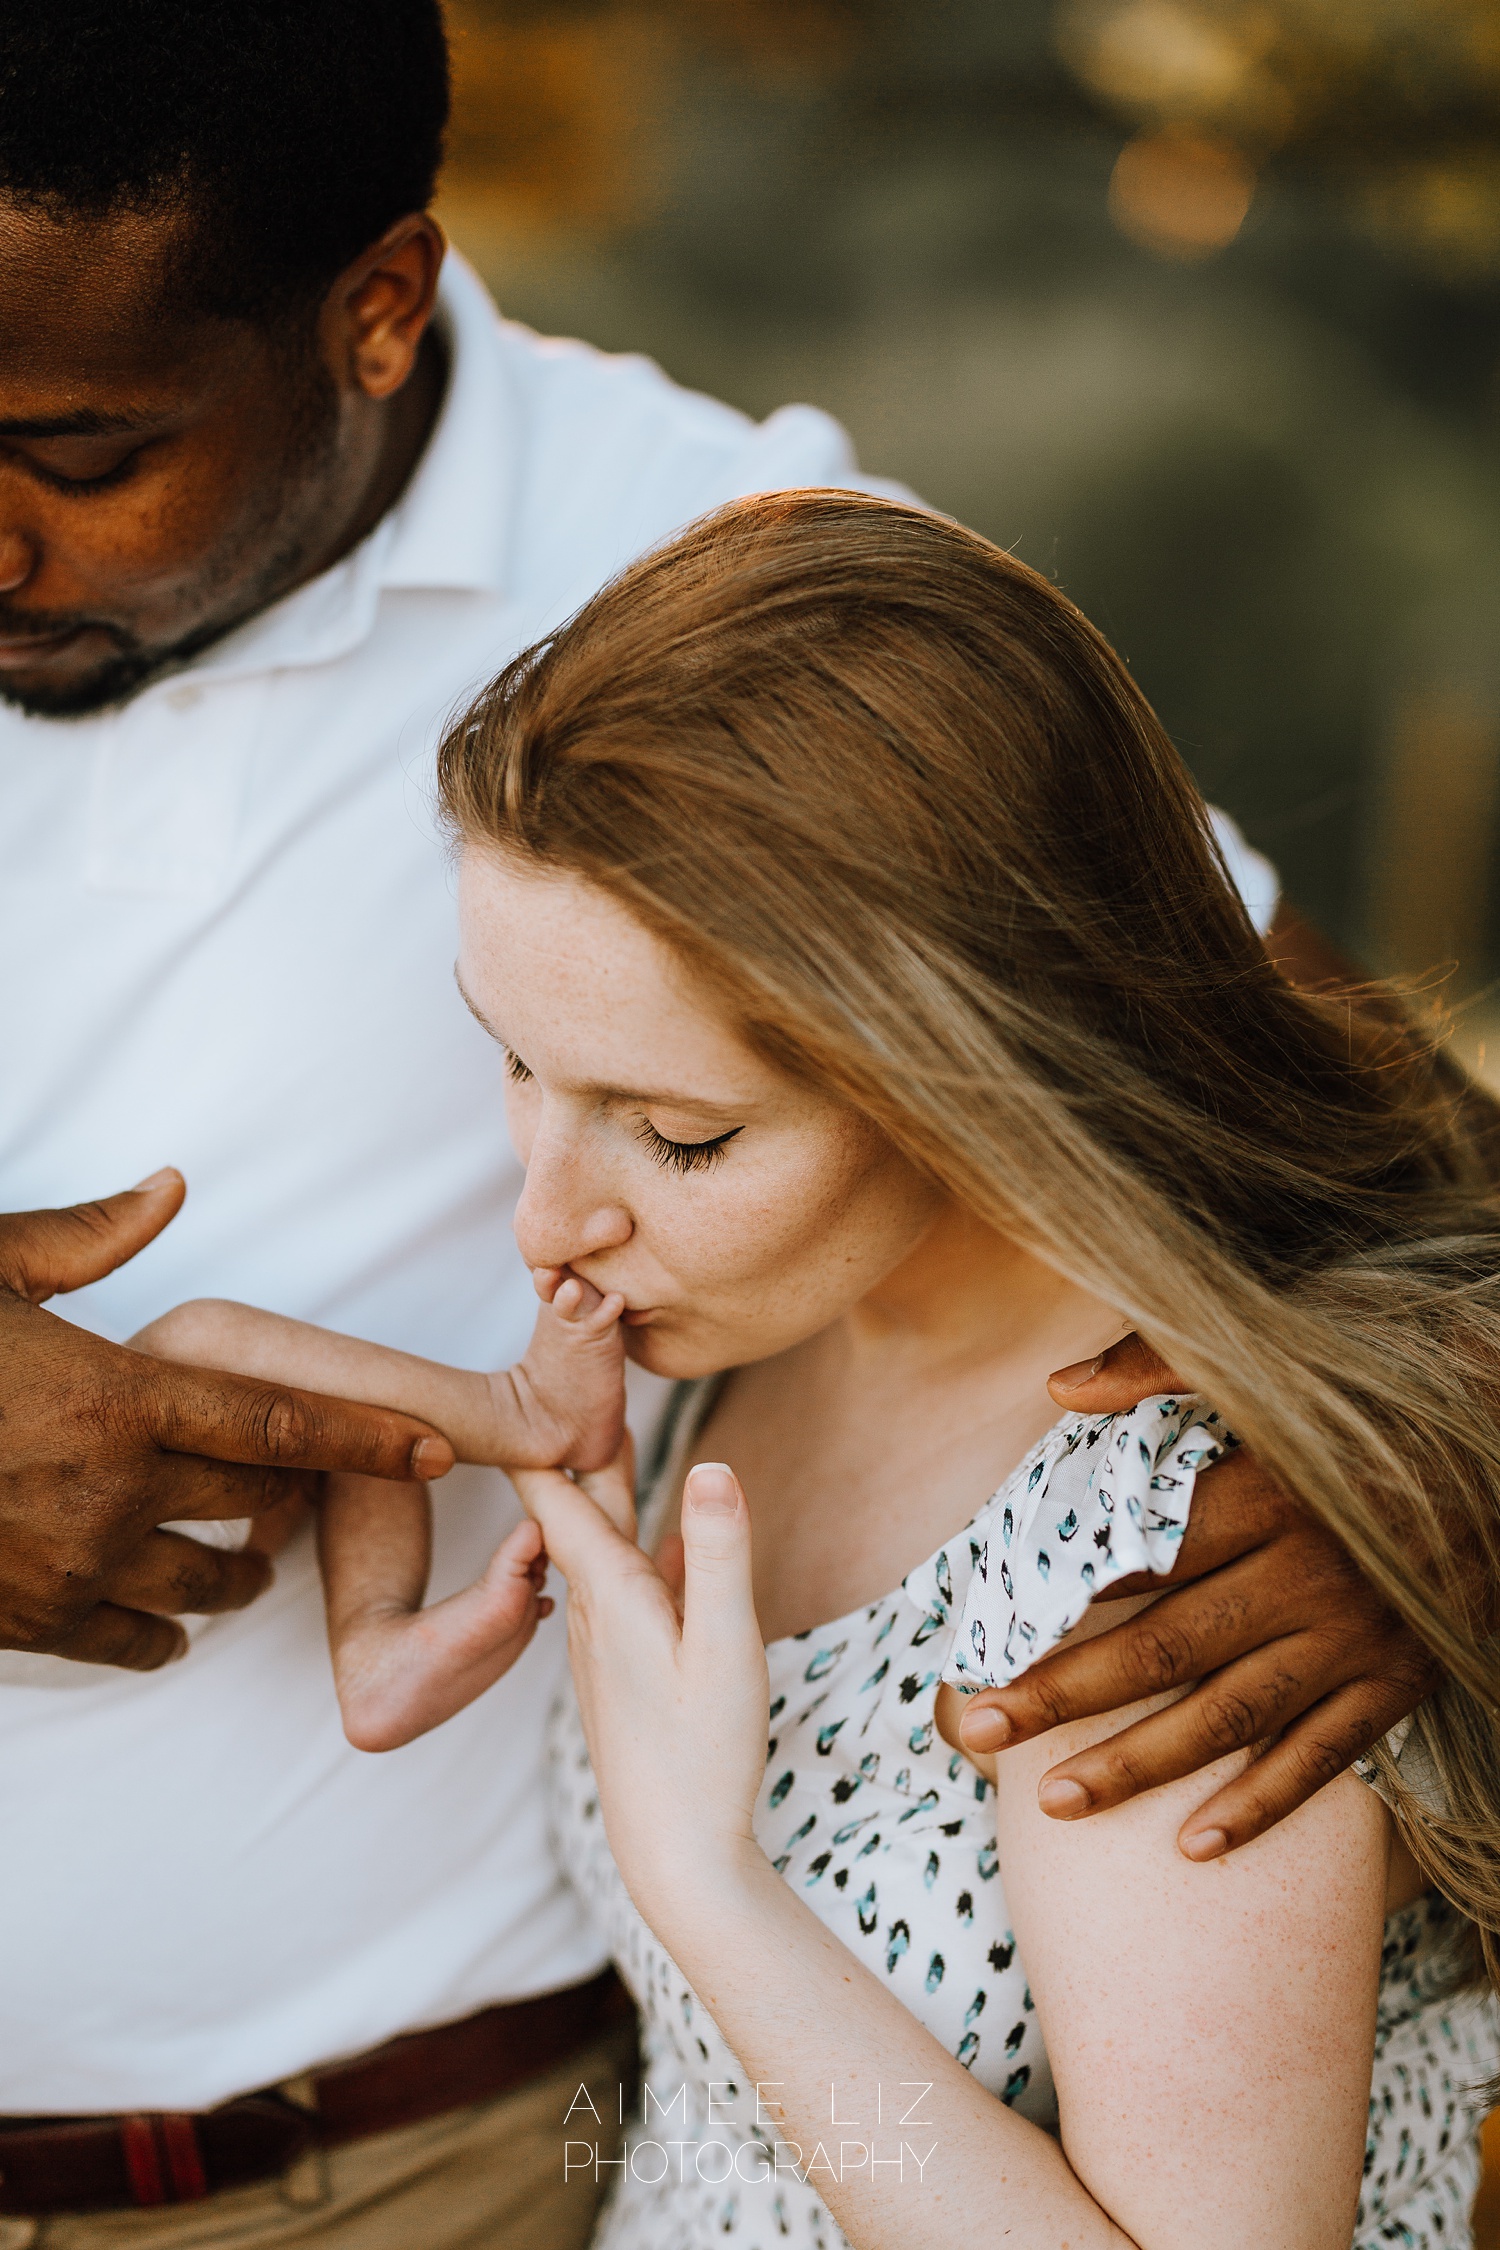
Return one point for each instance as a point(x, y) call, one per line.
point(99, 1445)
point(1281, 1633)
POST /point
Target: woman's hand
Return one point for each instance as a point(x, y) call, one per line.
point(673, 1692)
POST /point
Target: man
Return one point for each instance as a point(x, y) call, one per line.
point(273, 495)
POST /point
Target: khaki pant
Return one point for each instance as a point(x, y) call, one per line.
point(486, 2178)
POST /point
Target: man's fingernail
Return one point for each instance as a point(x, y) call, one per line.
point(711, 1490)
point(1063, 1800)
point(431, 1457)
point(155, 1179)
point(1082, 1371)
point(985, 1729)
point(1205, 1843)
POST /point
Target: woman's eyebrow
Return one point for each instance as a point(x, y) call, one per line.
point(475, 1011)
point(670, 1096)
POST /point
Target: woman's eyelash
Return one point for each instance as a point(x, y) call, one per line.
point(675, 1156)
point(684, 1156)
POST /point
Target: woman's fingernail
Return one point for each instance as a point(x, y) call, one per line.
point(1082, 1371)
point(711, 1490)
point(155, 1179)
point(984, 1730)
point(1063, 1800)
point(1207, 1843)
point(431, 1457)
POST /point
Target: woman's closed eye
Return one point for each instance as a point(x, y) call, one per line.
point(684, 1156)
point(674, 1156)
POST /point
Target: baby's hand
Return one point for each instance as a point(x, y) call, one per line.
point(569, 1390)
point(399, 1668)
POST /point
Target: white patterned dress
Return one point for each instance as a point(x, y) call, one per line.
point(890, 1837)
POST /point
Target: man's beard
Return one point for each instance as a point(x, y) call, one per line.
point(114, 680)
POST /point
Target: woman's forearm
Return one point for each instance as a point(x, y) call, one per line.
point(906, 2148)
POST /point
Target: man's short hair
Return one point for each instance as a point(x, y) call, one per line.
point(291, 133)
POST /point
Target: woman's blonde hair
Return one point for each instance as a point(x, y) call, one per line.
point(906, 812)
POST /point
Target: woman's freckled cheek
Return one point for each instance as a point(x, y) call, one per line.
point(772, 1248)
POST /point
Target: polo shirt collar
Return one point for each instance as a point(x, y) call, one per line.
point(449, 531)
point(450, 528)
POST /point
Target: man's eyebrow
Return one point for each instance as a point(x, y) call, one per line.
point(83, 421)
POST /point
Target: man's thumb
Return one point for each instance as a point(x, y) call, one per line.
point(45, 1253)
point(718, 1596)
point(1114, 1382)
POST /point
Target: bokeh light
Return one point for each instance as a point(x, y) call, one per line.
point(1193, 303)
point(1181, 192)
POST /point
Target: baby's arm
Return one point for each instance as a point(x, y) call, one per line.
point(562, 1406)
point(399, 1668)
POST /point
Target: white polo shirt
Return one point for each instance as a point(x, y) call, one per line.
point(228, 933)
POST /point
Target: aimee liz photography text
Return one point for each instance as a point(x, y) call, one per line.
point(739, 2133)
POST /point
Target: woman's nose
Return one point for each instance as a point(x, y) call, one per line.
point(561, 1216)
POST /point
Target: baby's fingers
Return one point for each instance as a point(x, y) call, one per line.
point(569, 1295)
point(401, 1673)
point(545, 1280)
point(520, 1553)
point(507, 1598)
point(583, 1306)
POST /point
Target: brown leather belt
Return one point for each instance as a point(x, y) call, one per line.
point(50, 2164)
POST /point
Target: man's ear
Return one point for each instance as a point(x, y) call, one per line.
point(374, 316)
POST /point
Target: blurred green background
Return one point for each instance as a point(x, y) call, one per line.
point(1195, 304)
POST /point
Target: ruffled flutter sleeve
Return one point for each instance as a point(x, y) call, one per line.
point(1101, 1497)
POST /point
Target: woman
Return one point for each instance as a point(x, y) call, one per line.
point(830, 1060)
point(883, 1030)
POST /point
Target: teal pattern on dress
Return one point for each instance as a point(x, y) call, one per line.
point(890, 1838)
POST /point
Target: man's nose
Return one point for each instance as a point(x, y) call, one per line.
point(17, 560)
